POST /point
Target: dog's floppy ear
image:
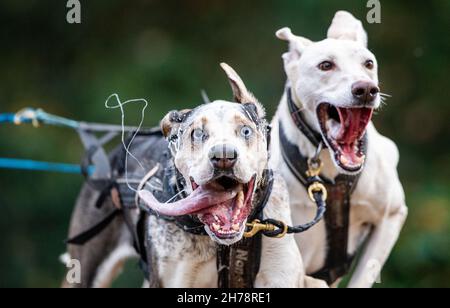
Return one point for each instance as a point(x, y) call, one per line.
point(346, 27)
point(240, 92)
point(172, 121)
point(297, 44)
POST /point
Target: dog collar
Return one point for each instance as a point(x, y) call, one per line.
point(299, 120)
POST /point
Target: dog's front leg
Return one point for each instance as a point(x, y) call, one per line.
point(379, 247)
point(281, 264)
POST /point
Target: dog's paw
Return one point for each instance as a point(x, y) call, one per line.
point(313, 283)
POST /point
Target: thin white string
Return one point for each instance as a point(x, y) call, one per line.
point(125, 146)
point(174, 197)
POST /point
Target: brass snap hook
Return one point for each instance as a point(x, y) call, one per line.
point(314, 167)
point(256, 227)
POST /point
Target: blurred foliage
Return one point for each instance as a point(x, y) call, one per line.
point(167, 51)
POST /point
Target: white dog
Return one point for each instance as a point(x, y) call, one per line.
point(331, 93)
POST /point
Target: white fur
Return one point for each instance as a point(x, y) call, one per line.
point(113, 264)
point(378, 202)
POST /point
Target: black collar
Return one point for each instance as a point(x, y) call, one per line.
point(299, 120)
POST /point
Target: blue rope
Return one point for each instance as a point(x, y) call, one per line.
point(23, 164)
point(51, 119)
point(7, 117)
point(41, 116)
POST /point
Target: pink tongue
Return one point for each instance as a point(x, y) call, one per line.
point(354, 122)
point(200, 199)
point(351, 120)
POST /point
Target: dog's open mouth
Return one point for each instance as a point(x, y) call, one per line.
point(227, 219)
point(222, 204)
point(344, 130)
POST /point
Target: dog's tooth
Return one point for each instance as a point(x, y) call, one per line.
point(361, 159)
point(240, 199)
point(344, 160)
point(236, 215)
point(235, 227)
point(216, 227)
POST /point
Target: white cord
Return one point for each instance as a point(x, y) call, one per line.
point(174, 197)
point(127, 147)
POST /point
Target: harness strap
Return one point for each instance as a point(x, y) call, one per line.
point(108, 186)
point(92, 232)
point(238, 265)
point(337, 221)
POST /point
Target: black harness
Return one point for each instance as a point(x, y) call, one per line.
point(340, 189)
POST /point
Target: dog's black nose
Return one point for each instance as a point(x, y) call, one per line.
point(223, 156)
point(365, 91)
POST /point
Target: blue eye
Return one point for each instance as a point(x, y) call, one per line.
point(198, 134)
point(246, 132)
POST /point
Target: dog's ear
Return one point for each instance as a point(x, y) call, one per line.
point(297, 44)
point(346, 27)
point(240, 92)
point(172, 121)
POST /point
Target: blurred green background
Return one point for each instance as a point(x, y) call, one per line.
point(167, 51)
